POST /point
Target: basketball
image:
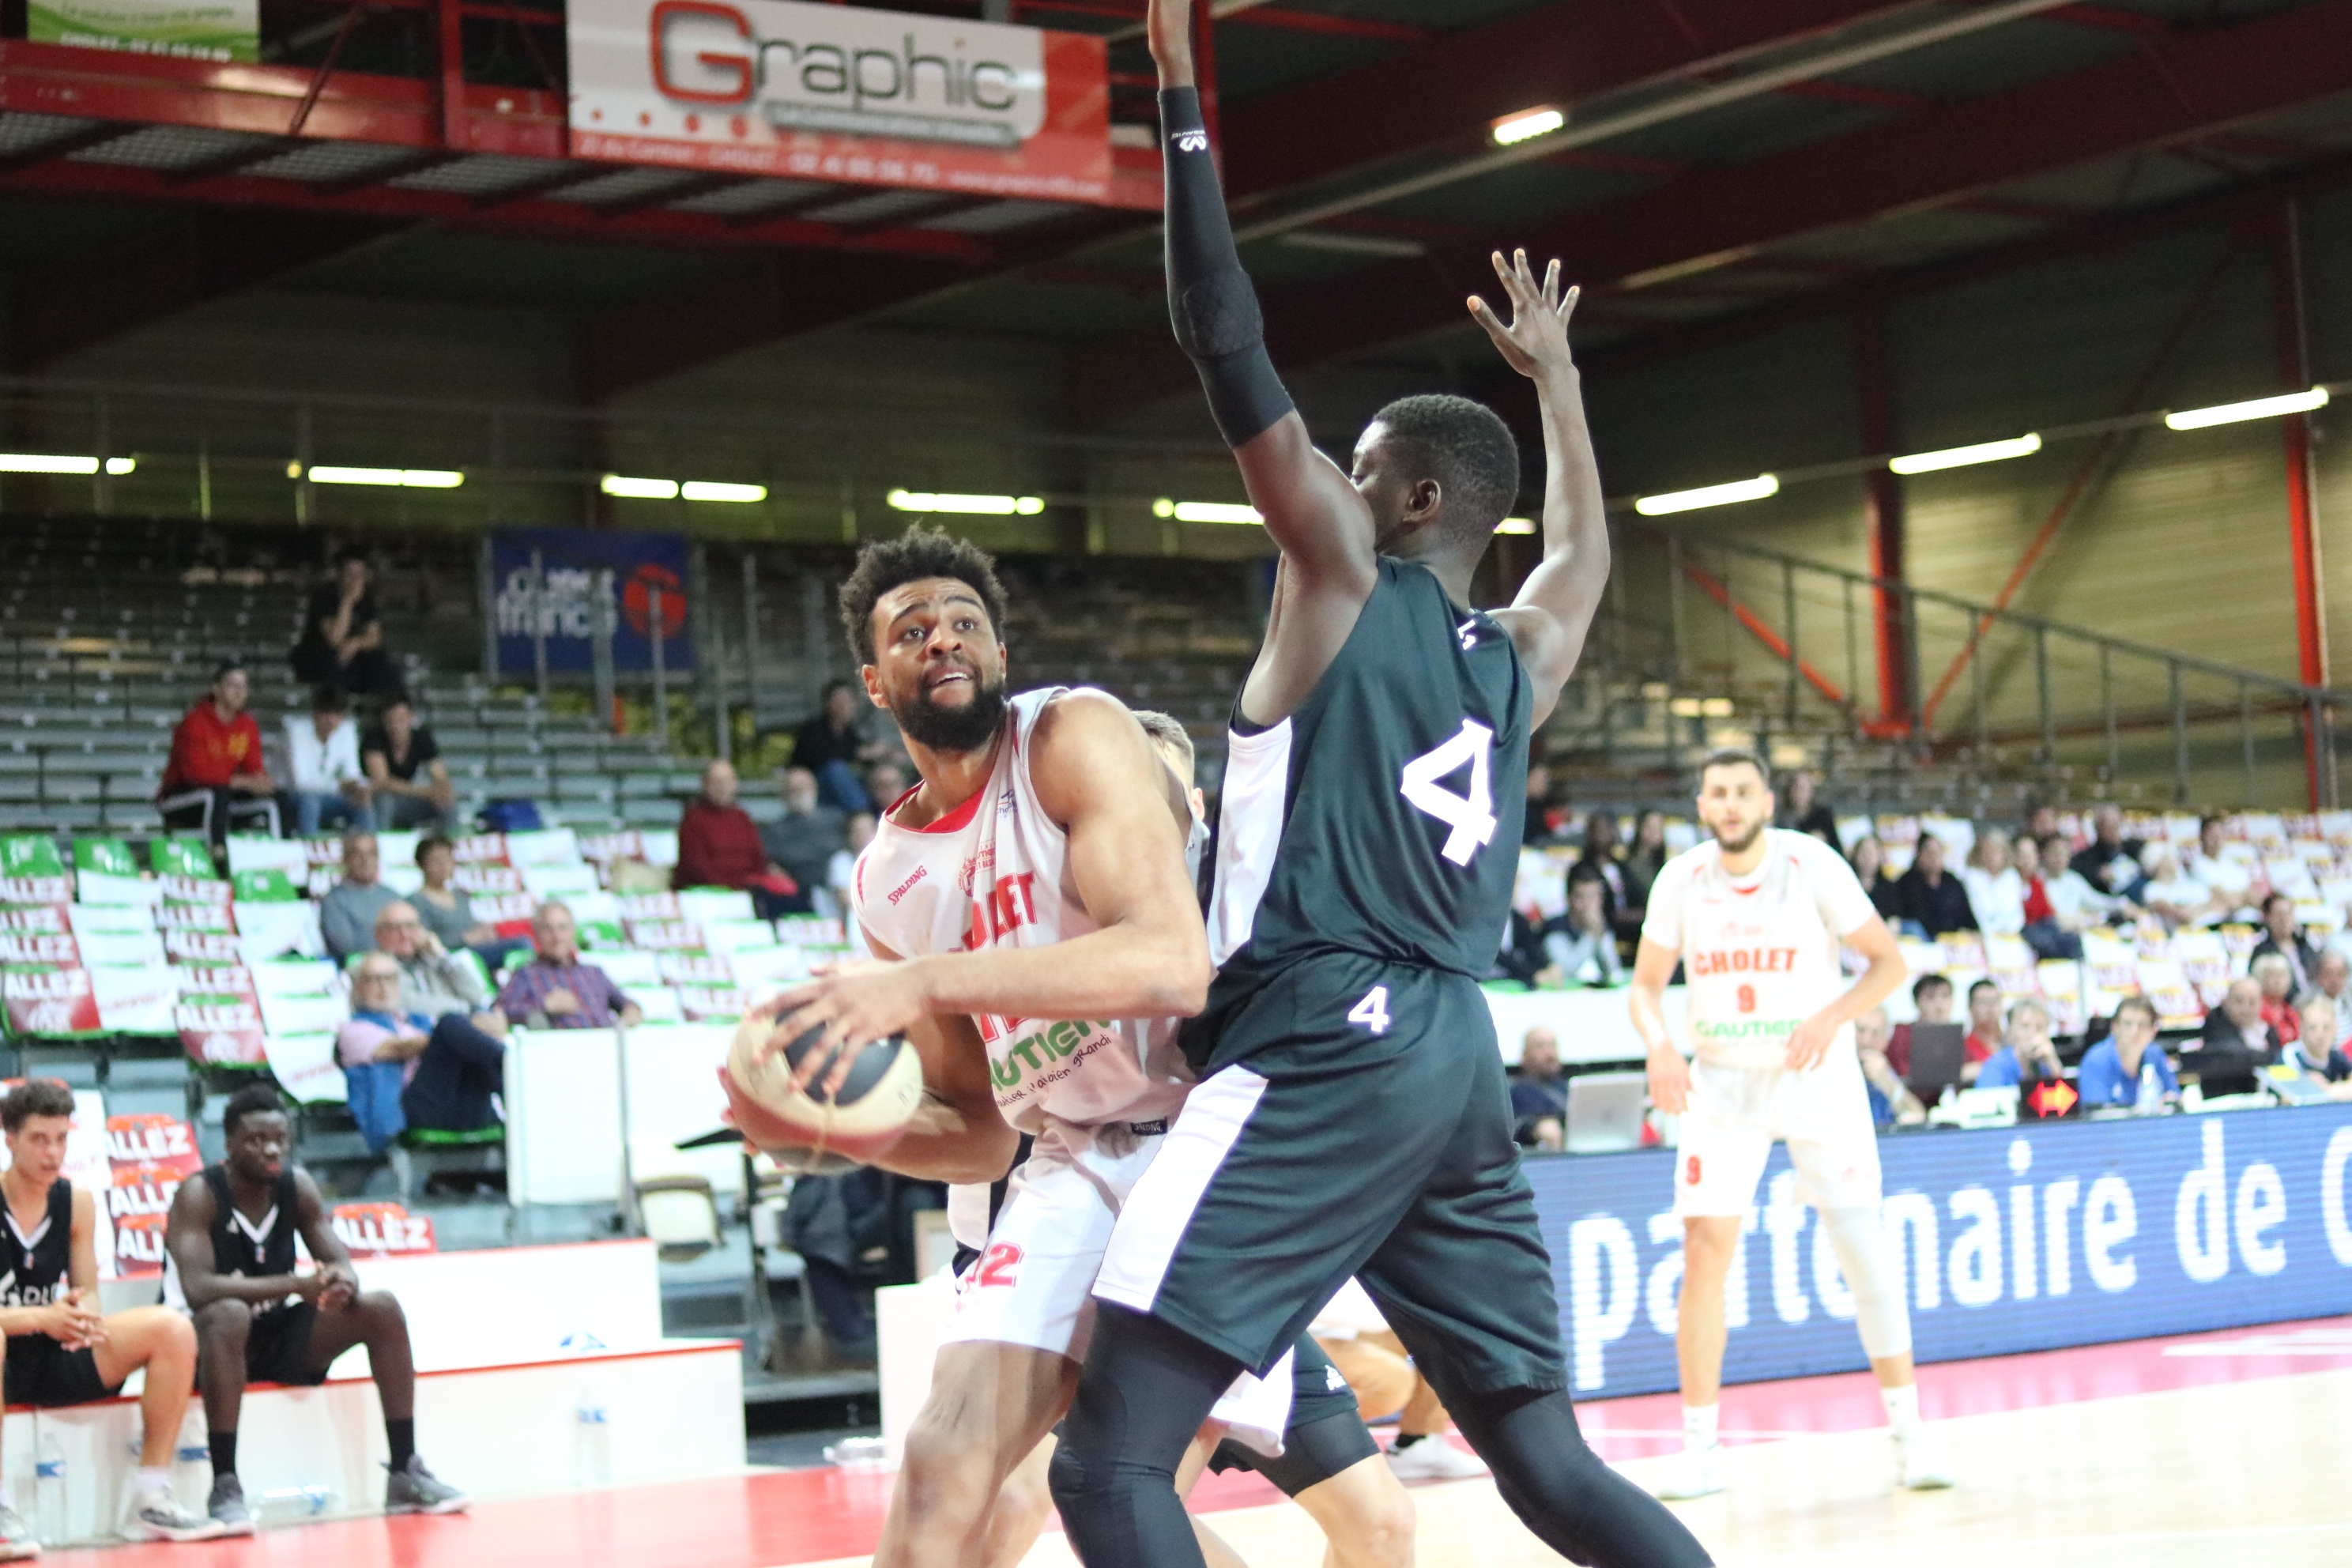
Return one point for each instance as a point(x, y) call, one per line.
point(884, 1087)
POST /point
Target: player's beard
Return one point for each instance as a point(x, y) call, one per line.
point(1741, 844)
point(954, 730)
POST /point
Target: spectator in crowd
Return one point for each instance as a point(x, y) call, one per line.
point(886, 780)
point(449, 912)
point(64, 1348)
point(2110, 862)
point(1643, 861)
point(342, 636)
point(2230, 884)
point(2173, 896)
point(2270, 973)
point(215, 753)
point(1930, 899)
point(2043, 931)
point(834, 746)
point(1579, 947)
point(1983, 1037)
point(2040, 822)
point(1539, 1094)
point(1996, 890)
point(322, 754)
point(1891, 1099)
point(378, 1047)
point(2329, 979)
point(2281, 936)
point(2074, 903)
point(556, 990)
point(404, 768)
point(2313, 1057)
point(804, 840)
point(1537, 828)
point(2110, 1072)
point(348, 915)
point(718, 846)
point(1886, 892)
point(2027, 1056)
point(1931, 998)
point(844, 865)
point(1598, 858)
point(461, 1066)
point(1802, 813)
point(2236, 1040)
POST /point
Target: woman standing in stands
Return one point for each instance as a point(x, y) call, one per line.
point(343, 638)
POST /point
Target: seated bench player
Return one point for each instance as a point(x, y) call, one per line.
point(229, 1260)
point(60, 1352)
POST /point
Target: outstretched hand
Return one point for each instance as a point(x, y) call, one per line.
point(1536, 342)
point(1169, 25)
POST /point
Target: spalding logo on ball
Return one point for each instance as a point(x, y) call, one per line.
point(881, 1093)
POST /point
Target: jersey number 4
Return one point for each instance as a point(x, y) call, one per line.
point(1372, 1012)
point(1470, 814)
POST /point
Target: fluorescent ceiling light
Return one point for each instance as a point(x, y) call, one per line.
point(1517, 525)
point(119, 467)
point(639, 489)
point(714, 490)
point(397, 479)
point(45, 463)
point(970, 506)
point(1526, 126)
point(1757, 488)
point(2260, 409)
point(1354, 244)
point(1962, 456)
point(1205, 511)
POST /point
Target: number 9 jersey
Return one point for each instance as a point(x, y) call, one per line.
point(1383, 817)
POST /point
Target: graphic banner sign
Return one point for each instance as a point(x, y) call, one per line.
point(2013, 1239)
point(183, 29)
point(571, 558)
point(832, 92)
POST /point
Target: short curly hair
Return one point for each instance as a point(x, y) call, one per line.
point(918, 553)
point(1467, 449)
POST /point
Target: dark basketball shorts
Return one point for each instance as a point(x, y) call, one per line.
point(277, 1346)
point(1326, 1434)
point(1362, 1126)
point(39, 1371)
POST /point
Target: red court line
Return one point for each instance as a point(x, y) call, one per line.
point(810, 1516)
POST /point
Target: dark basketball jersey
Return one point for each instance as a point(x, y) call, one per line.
point(33, 1266)
point(253, 1250)
point(1383, 818)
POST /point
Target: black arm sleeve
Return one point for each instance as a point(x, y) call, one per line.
point(1210, 301)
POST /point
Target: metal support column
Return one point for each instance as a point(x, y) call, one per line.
point(752, 688)
point(2042, 692)
point(101, 478)
point(1789, 619)
point(657, 635)
point(2180, 737)
point(486, 577)
point(602, 613)
point(2246, 736)
point(2107, 707)
point(1674, 607)
point(1883, 494)
point(714, 658)
point(2301, 501)
point(539, 624)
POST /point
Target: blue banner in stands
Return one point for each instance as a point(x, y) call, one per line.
point(644, 566)
point(2008, 1240)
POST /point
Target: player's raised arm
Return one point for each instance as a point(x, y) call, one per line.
point(1314, 514)
point(1554, 609)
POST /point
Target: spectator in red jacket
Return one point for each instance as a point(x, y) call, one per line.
point(718, 846)
point(216, 757)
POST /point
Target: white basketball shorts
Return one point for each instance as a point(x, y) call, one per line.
point(1033, 1284)
point(1736, 1113)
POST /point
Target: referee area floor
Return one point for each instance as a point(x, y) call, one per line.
point(2163, 1453)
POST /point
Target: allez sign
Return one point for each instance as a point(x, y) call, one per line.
point(2009, 1239)
point(832, 92)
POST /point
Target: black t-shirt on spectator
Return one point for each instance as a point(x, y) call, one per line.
point(324, 602)
point(1887, 895)
point(1939, 908)
point(805, 843)
point(817, 742)
point(421, 750)
point(2091, 864)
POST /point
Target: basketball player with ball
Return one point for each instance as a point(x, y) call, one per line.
point(1756, 916)
point(1039, 938)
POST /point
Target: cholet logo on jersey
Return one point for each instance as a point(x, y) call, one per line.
point(807, 68)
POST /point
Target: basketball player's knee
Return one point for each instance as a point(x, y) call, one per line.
point(943, 1466)
point(1880, 1314)
point(1708, 1245)
point(172, 1337)
point(223, 1322)
point(381, 1309)
point(1378, 1524)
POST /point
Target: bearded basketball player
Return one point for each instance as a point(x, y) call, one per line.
point(1038, 935)
point(1756, 916)
point(1352, 1118)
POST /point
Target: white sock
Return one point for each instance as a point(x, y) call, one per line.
point(1699, 1422)
point(154, 1480)
point(1902, 1407)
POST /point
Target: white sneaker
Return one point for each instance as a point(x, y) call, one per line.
point(1693, 1473)
point(1921, 1464)
point(1434, 1459)
point(161, 1518)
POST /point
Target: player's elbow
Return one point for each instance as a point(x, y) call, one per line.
point(1181, 989)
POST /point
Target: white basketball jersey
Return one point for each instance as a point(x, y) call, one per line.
point(1759, 953)
point(995, 872)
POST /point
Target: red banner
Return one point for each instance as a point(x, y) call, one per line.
point(48, 1000)
point(383, 1230)
point(220, 1031)
point(150, 1154)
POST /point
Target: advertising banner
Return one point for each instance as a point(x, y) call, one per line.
point(2009, 1239)
point(150, 1155)
point(571, 557)
point(220, 30)
point(832, 92)
point(383, 1229)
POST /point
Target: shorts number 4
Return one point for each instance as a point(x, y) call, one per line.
point(1372, 1012)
